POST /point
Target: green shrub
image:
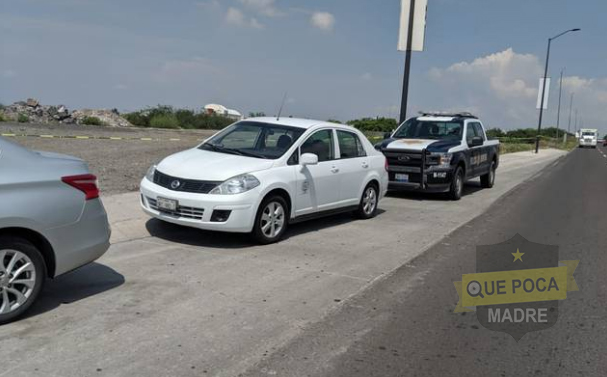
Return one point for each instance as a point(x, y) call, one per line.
point(168, 117)
point(92, 121)
point(22, 118)
point(374, 124)
point(137, 119)
point(164, 121)
point(2, 117)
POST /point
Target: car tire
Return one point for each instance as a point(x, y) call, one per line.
point(15, 253)
point(271, 220)
point(367, 208)
point(488, 180)
point(457, 184)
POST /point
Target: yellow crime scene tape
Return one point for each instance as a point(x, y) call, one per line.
point(85, 137)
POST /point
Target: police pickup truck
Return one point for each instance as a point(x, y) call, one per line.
point(438, 152)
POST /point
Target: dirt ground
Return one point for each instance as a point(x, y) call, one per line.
point(119, 164)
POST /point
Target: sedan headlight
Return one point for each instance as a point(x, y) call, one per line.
point(444, 160)
point(236, 185)
point(150, 174)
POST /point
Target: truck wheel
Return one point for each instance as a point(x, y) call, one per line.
point(271, 220)
point(457, 184)
point(488, 180)
point(22, 275)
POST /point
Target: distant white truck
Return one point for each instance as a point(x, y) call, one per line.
point(588, 138)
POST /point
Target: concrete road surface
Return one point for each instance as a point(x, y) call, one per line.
point(405, 325)
point(171, 301)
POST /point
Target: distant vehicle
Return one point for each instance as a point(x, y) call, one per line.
point(262, 174)
point(588, 138)
point(439, 152)
point(605, 142)
point(51, 222)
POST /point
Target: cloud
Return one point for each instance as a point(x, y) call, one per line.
point(502, 88)
point(264, 7)
point(236, 17)
point(366, 76)
point(323, 20)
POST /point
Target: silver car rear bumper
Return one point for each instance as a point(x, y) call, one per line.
point(82, 242)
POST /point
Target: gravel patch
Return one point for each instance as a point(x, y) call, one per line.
point(119, 164)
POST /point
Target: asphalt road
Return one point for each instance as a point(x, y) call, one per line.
point(173, 301)
point(405, 325)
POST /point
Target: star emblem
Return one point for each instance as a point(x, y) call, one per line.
point(518, 255)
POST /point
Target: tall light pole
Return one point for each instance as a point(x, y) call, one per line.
point(405, 95)
point(558, 116)
point(539, 126)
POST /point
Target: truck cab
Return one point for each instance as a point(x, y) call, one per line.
point(588, 138)
point(439, 152)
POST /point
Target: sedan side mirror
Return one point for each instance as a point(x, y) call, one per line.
point(477, 141)
point(387, 135)
point(308, 159)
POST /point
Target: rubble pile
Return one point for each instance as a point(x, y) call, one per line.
point(31, 111)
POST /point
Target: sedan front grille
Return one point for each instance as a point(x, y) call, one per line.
point(183, 212)
point(184, 185)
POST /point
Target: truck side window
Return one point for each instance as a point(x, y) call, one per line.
point(470, 132)
point(479, 131)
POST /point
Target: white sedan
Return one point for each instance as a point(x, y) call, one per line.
point(259, 175)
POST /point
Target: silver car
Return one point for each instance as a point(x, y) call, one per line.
point(51, 222)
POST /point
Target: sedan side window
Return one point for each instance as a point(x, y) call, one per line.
point(320, 144)
point(350, 145)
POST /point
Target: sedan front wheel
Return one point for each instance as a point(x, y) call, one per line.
point(271, 220)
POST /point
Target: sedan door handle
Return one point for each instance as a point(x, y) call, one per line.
point(334, 170)
point(365, 165)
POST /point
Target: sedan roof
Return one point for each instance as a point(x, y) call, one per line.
point(285, 121)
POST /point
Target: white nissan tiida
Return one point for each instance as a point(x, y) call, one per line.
point(261, 174)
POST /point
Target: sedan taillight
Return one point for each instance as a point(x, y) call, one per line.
point(87, 183)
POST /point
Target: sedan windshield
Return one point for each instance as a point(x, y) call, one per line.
point(254, 139)
point(416, 129)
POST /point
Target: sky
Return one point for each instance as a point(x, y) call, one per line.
point(335, 58)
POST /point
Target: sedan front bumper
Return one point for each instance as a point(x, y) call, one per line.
point(196, 210)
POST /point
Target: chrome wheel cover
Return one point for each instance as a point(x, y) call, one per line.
point(17, 280)
point(272, 219)
point(369, 201)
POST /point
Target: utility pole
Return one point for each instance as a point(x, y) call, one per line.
point(558, 116)
point(405, 96)
point(570, 112)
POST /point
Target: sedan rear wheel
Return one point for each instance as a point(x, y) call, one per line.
point(22, 275)
point(368, 203)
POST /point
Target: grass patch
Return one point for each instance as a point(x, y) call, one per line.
point(92, 121)
point(22, 118)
